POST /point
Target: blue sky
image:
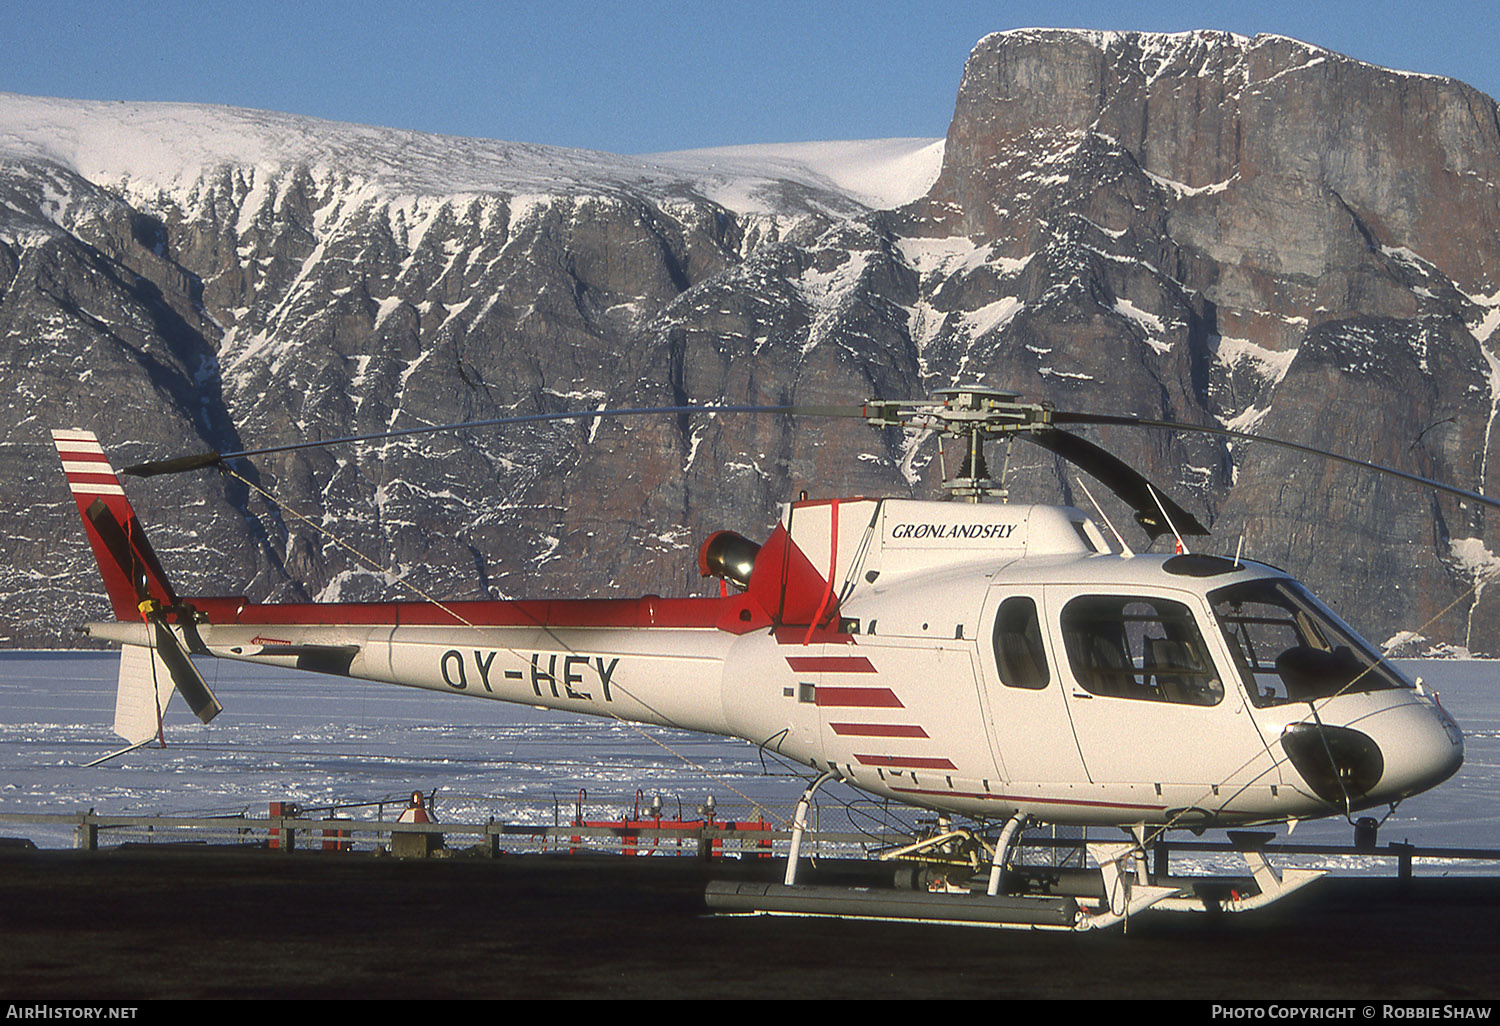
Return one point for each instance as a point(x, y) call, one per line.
point(640, 77)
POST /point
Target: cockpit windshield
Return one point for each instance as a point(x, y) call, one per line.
point(1290, 648)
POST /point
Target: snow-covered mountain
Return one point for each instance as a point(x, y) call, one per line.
point(161, 152)
point(1249, 232)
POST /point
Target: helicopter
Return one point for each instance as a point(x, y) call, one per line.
point(1001, 662)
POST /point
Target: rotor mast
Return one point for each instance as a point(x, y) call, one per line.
point(972, 415)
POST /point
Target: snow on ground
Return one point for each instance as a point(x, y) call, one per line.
point(320, 741)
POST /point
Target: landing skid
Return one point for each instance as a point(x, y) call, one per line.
point(1271, 884)
point(1045, 899)
point(1025, 912)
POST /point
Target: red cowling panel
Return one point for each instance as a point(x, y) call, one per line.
point(785, 583)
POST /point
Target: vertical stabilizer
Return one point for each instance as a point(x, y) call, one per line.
point(138, 591)
point(132, 574)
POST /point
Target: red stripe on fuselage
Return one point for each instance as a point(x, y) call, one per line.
point(858, 698)
point(877, 730)
point(830, 664)
point(905, 762)
point(1031, 799)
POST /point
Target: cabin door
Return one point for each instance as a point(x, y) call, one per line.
point(1148, 703)
point(1024, 696)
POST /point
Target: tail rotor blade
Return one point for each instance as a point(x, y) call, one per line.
point(185, 676)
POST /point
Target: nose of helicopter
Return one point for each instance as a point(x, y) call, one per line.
point(1423, 747)
point(1375, 757)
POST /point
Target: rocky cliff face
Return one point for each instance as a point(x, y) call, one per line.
point(1243, 232)
point(1264, 235)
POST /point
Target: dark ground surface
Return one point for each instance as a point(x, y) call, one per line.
point(146, 923)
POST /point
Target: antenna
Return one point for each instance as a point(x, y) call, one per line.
point(1181, 545)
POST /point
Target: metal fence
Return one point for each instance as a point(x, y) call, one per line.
point(298, 831)
point(752, 833)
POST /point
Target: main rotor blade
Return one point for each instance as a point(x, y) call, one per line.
point(1119, 477)
point(1063, 417)
point(179, 464)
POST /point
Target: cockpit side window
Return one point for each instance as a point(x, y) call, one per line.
point(1144, 648)
point(1289, 648)
point(1019, 655)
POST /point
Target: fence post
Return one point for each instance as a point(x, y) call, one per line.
point(87, 836)
point(1404, 851)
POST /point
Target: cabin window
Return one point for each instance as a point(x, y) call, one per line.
point(1144, 648)
point(1019, 655)
point(1290, 648)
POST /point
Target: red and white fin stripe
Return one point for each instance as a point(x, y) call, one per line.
point(87, 468)
point(122, 552)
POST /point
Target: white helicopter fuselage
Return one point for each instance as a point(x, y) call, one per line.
point(979, 659)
